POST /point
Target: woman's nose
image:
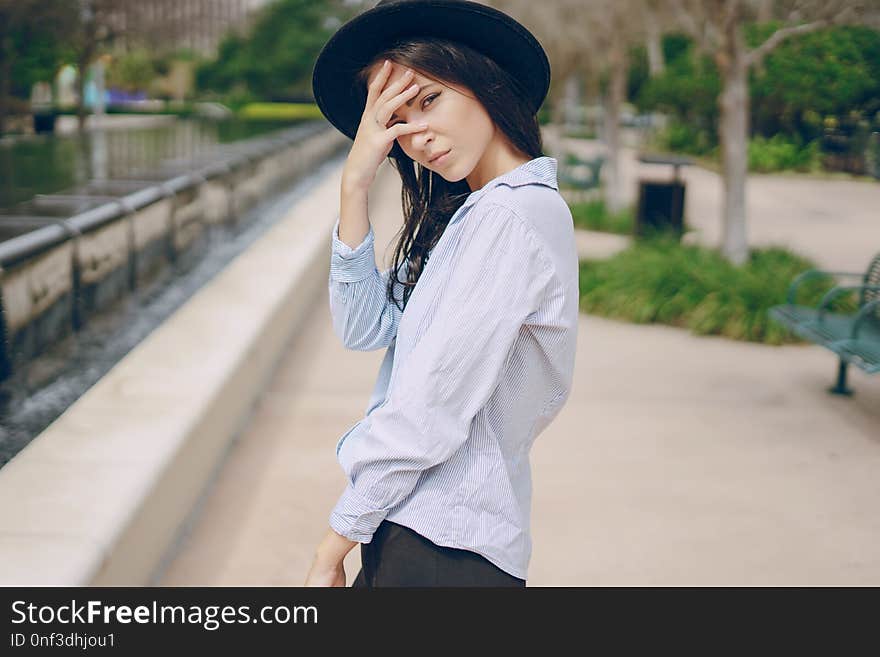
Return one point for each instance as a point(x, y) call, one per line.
point(421, 139)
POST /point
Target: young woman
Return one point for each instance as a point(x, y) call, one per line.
point(478, 313)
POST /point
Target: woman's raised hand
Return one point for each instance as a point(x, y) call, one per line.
point(374, 140)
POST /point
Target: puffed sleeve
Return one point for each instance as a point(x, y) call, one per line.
point(363, 317)
point(497, 277)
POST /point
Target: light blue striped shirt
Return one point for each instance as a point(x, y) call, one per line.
point(476, 367)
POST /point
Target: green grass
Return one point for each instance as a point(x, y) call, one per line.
point(661, 281)
point(280, 111)
point(593, 215)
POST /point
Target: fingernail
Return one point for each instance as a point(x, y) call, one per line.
point(385, 64)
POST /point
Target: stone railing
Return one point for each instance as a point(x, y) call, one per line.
point(74, 254)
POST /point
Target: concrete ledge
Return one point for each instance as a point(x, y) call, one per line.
point(99, 497)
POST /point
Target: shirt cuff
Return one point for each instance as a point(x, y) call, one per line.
point(354, 518)
point(350, 265)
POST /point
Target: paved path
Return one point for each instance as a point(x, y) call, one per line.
point(594, 245)
point(678, 460)
point(835, 222)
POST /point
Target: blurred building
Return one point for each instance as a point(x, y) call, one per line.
point(169, 25)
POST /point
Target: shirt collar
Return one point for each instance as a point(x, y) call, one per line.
point(541, 170)
point(538, 171)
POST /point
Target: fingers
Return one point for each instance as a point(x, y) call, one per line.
point(376, 86)
point(406, 128)
point(387, 108)
point(394, 87)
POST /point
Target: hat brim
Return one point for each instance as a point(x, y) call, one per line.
point(357, 42)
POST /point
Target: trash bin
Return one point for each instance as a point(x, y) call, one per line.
point(661, 208)
point(661, 203)
point(44, 121)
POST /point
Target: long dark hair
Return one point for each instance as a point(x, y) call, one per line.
point(429, 201)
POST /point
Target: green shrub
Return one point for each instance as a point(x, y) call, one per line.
point(661, 281)
point(273, 59)
point(683, 138)
point(829, 72)
point(593, 215)
point(280, 111)
point(780, 153)
point(133, 71)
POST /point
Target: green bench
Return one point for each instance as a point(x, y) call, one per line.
point(855, 338)
point(578, 173)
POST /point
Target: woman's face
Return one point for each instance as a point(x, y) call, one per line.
point(457, 122)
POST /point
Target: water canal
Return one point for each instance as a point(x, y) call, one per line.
point(32, 397)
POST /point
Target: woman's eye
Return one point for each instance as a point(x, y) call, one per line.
point(430, 97)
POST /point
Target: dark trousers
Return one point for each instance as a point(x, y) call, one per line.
point(399, 556)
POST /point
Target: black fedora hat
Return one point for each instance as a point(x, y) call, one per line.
point(357, 42)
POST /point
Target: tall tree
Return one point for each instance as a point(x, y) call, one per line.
point(592, 37)
point(656, 20)
point(559, 28)
point(615, 26)
point(100, 22)
point(275, 59)
point(32, 44)
point(718, 29)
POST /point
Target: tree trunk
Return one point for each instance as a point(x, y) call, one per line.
point(82, 66)
point(89, 46)
point(5, 78)
point(572, 102)
point(554, 132)
point(734, 128)
point(613, 100)
point(557, 107)
point(654, 46)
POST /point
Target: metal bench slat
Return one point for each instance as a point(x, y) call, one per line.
point(860, 353)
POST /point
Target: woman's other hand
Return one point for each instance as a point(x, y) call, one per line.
point(374, 140)
point(327, 568)
point(325, 574)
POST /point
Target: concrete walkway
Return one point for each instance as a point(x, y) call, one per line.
point(678, 460)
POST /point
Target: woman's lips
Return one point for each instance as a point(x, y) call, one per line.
point(442, 158)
